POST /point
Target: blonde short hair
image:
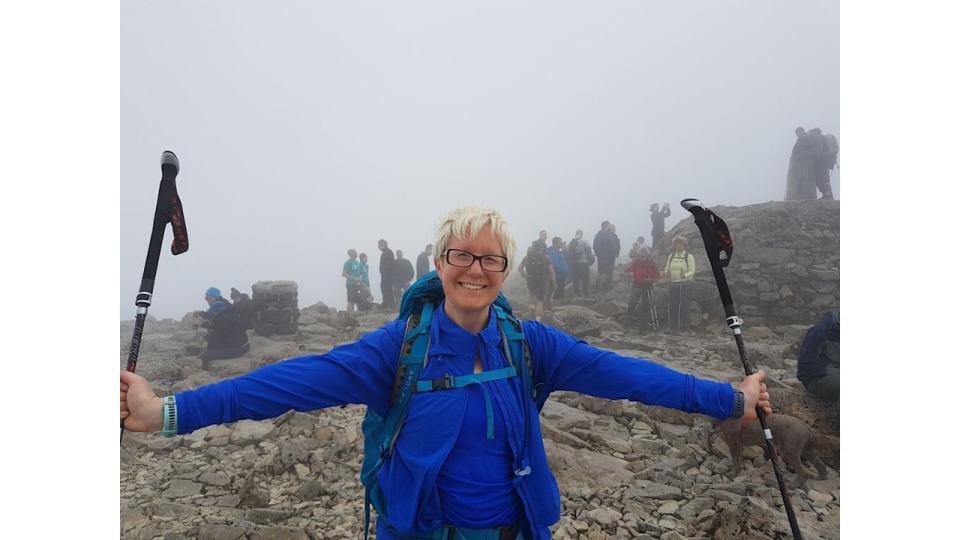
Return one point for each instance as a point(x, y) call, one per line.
point(679, 240)
point(466, 223)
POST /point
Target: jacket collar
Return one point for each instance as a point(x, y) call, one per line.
point(448, 338)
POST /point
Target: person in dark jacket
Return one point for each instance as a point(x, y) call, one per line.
point(658, 218)
point(386, 276)
point(469, 457)
point(226, 336)
point(244, 306)
point(606, 247)
point(818, 360)
point(423, 261)
point(402, 275)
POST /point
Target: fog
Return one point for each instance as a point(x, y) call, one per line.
point(306, 128)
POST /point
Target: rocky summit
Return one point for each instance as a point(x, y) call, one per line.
point(625, 470)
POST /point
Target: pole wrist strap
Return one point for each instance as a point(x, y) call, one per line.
point(169, 416)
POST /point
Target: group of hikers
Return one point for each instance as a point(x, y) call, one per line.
point(396, 275)
point(549, 269)
point(813, 158)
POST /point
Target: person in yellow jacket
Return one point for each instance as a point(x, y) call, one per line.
point(679, 274)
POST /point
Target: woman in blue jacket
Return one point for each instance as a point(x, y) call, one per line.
point(469, 462)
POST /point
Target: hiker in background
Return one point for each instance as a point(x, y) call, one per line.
point(637, 245)
point(615, 247)
point(423, 261)
point(353, 273)
point(402, 275)
point(244, 306)
point(825, 164)
point(604, 250)
point(658, 217)
point(582, 259)
point(558, 257)
point(459, 466)
point(365, 278)
point(386, 272)
point(679, 273)
point(537, 269)
point(226, 337)
point(818, 360)
point(806, 160)
point(643, 272)
point(792, 192)
point(493, 478)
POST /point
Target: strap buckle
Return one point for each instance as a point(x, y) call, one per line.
point(443, 383)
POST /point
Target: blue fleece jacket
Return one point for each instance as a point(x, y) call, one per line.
point(436, 427)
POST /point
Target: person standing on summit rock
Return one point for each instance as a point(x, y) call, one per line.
point(469, 461)
point(658, 217)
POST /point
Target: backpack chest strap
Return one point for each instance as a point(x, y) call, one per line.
point(461, 381)
point(450, 381)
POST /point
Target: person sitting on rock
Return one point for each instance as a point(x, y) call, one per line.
point(469, 460)
point(244, 306)
point(226, 336)
point(818, 359)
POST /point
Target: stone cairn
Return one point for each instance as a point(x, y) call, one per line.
point(275, 307)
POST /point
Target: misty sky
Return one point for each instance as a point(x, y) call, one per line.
point(306, 128)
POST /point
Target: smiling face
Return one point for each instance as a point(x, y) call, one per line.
point(470, 291)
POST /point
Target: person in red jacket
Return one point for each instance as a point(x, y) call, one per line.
point(644, 273)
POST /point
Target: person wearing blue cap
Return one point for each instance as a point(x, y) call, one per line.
point(226, 333)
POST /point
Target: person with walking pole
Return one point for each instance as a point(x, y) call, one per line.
point(719, 247)
point(169, 210)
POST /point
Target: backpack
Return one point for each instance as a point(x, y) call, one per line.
point(537, 260)
point(589, 252)
point(380, 433)
point(831, 149)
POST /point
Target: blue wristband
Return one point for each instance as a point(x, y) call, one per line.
point(169, 416)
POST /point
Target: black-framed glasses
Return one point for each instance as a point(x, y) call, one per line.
point(464, 259)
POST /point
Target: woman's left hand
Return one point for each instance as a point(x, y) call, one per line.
point(754, 393)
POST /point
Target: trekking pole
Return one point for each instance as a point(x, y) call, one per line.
point(655, 320)
point(169, 210)
point(719, 247)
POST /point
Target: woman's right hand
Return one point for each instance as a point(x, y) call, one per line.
point(140, 409)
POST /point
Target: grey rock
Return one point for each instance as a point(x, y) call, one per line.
point(654, 491)
point(250, 431)
point(214, 478)
point(182, 488)
point(279, 533)
point(221, 532)
point(174, 510)
point(267, 515)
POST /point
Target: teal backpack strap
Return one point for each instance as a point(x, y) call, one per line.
point(413, 354)
point(515, 346)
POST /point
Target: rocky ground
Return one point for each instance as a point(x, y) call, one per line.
point(625, 470)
